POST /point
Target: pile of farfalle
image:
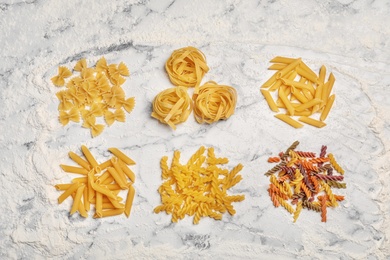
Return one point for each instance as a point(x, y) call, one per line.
point(93, 92)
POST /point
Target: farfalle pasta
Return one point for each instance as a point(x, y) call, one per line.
point(92, 93)
point(199, 187)
point(186, 67)
point(100, 184)
point(301, 179)
point(172, 106)
point(214, 102)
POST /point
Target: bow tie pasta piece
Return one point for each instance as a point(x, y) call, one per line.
point(111, 117)
point(186, 67)
point(63, 73)
point(73, 115)
point(172, 106)
point(96, 129)
point(81, 65)
point(214, 102)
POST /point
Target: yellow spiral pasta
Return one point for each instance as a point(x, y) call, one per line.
point(186, 67)
point(214, 102)
point(172, 106)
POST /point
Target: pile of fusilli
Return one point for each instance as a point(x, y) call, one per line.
point(305, 180)
point(198, 188)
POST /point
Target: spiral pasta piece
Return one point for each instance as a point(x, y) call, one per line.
point(214, 102)
point(172, 106)
point(186, 67)
point(335, 165)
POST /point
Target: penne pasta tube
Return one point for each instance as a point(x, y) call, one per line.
point(275, 86)
point(99, 204)
point(103, 190)
point(72, 169)
point(302, 113)
point(312, 121)
point(270, 81)
point(118, 169)
point(89, 156)
point(327, 108)
point(87, 205)
point(130, 174)
point(80, 180)
point(309, 104)
point(105, 165)
point(91, 179)
point(295, 84)
point(129, 200)
point(110, 212)
point(300, 97)
point(80, 161)
point(68, 192)
point(108, 180)
point(307, 94)
point(321, 77)
point(280, 59)
point(288, 68)
point(122, 156)
point(113, 187)
point(116, 204)
point(329, 88)
point(102, 177)
point(117, 177)
point(107, 205)
point(307, 69)
point(63, 186)
point(81, 207)
point(277, 66)
point(286, 102)
point(289, 120)
point(77, 199)
point(270, 100)
point(318, 95)
point(302, 80)
point(304, 73)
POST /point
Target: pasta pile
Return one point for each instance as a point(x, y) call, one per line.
point(172, 106)
point(304, 97)
point(305, 180)
point(100, 184)
point(95, 92)
point(212, 102)
point(198, 188)
point(186, 67)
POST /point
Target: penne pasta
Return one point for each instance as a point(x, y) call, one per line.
point(129, 200)
point(109, 213)
point(130, 174)
point(87, 204)
point(117, 177)
point(288, 68)
point(80, 161)
point(312, 121)
point(104, 165)
point(270, 101)
point(72, 169)
point(277, 66)
point(286, 102)
point(118, 169)
point(280, 59)
point(275, 86)
point(327, 108)
point(289, 120)
point(304, 73)
point(77, 199)
point(309, 104)
point(89, 156)
point(321, 76)
point(63, 186)
point(122, 156)
point(68, 192)
point(270, 81)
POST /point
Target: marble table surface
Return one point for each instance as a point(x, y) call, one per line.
point(350, 37)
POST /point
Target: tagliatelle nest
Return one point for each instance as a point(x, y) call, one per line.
point(172, 106)
point(214, 102)
point(186, 67)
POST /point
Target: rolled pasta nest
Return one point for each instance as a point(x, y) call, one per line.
point(172, 106)
point(186, 67)
point(214, 102)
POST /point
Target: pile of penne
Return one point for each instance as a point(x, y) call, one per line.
point(100, 184)
point(300, 91)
